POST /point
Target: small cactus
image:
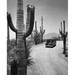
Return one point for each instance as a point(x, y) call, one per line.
point(36, 27)
point(42, 31)
point(36, 34)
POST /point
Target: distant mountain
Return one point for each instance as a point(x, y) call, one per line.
point(51, 36)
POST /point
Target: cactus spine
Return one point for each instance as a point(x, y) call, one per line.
point(41, 30)
point(63, 35)
point(21, 50)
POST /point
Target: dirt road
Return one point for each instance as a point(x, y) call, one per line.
point(48, 61)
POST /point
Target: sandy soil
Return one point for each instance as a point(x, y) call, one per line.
point(48, 61)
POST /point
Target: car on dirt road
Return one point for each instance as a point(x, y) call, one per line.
point(50, 44)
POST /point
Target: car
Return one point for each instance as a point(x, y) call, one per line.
point(50, 43)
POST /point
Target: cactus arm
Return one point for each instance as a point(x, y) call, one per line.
point(8, 34)
point(66, 34)
point(10, 24)
point(60, 32)
point(43, 31)
point(31, 21)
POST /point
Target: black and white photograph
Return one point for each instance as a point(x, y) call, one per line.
point(37, 37)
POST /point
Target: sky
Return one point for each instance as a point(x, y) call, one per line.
point(53, 12)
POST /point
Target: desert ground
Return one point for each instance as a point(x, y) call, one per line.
point(48, 61)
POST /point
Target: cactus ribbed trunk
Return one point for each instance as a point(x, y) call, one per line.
point(20, 24)
point(64, 38)
point(22, 70)
point(20, 15)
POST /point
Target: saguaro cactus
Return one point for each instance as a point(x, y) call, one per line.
point(38, 37)
point(36, 34)
point(63, 35)
point(42, 31)
point(36, 27)
point(21, 50)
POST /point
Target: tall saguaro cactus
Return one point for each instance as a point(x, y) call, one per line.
point(21, 50)
point(42, 31)
point(63, 35)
